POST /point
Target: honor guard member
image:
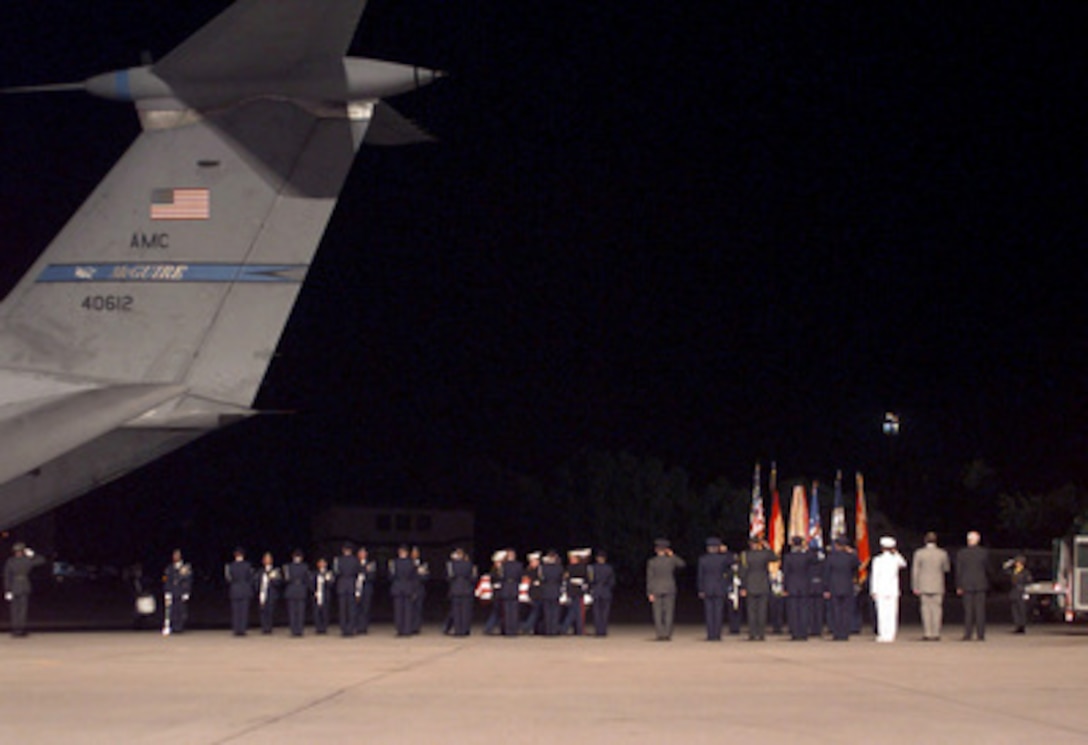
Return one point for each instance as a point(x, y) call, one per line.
point(346, 568)
point(419, 589)
point(269, 584)
point(322, 588)
point(711, 576)
point(840, 570)
point(884, 587)
point(576, 583)
point(972, 582)
point(755, 575)
point(365, 582)
point(602, 581)
point(239, 576)
point(461, 576)
point(403, 578)
point(511, 570)
point(177, 584)
point(928, 568)
point(795, 574)
point(1019, 579)
point(661, 572)
point(531, 582)
point(732, 598)
point(551, 588)
point(17, 585)
point(296, 579)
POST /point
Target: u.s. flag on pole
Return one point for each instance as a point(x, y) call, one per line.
point(757, 523)
point(181, 204)
point(815, 525)
point(838, 512)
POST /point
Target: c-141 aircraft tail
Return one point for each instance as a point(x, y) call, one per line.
point(152, 317)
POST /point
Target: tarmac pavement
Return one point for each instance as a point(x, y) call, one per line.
point(208, 687)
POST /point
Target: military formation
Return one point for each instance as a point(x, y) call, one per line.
point(804, 590)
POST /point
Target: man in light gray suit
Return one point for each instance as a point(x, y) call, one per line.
point(661, 587)
point(927, 571)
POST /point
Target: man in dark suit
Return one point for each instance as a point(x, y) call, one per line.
point(403, 577)
point(757, 585)
point(17, 585)
point(346, 568)
point(972, 582)
point(712, 582)
point(296, 581)
point(840, 568)
point(239, 575)
point(512, 571)
point(795, 573)
point(661, 572)
point(601, 581)
point(461, 575)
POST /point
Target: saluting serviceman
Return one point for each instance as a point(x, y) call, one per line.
point(602, 580)
point(757, 585)
point(239, 576)
point(884, 587)
point(1019, 578)
point(712, 582)
point(322, 588)
point(177, 584)
point(346, 568)
point(795, 576)
point(296, 578)
point(269, 583)
point(17, 585)
point(661, 572)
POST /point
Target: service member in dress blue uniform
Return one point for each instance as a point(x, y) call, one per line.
point(239, 575)
point(840, 574)
point(296, 580)
point(17, 585)
point(512, 571)
point(346, 568)
point(711, 577)
point(177, 585)
point(419, 589)
point(461, 575)
point(816, 613)
point(322, 588)
point(732, 598)
point(269, 586)
point(493, 581)
point(551, 588)
point(602, 581)
point(403, 579)
point(1019, 579)
point(795, 575)
point(365, 582)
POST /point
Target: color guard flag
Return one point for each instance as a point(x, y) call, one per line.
point(757, 522)
point(799, 514)
point(838, 511)
point(777, 531)
point(815, 526)
point(861, 519)
point(180, 204)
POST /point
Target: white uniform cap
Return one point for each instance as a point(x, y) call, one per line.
point(534, 556)
point(499, 556)
point(887, 542)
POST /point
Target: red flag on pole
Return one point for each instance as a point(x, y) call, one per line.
point(777, 531)
point(861, 522)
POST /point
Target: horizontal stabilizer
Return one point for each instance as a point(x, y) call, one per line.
point(59, 424)
point(389, 127)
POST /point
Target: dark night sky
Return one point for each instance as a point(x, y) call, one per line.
point(710, 235)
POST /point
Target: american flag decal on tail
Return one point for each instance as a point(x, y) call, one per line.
point(181, 204)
